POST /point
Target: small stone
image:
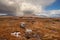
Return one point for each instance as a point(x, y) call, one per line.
point(22, 25)
point(28, 30)
point(17, 34)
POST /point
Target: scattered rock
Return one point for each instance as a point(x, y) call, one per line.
point(28, 30)
point(22, 25)
point(16, 34)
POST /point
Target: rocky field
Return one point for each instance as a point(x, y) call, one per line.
point(29, 28)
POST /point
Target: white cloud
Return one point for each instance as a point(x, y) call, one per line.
point(3, 14)
point(55, 11)
point(18, 6)
point(50, 13)
point(41, 2)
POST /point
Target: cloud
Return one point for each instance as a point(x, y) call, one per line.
point(41, 2)
point(51, 13)
point(21, 7)
point(55, 13)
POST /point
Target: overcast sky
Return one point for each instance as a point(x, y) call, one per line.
point(49, 8)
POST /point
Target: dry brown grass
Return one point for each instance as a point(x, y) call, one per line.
point(42, 28)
